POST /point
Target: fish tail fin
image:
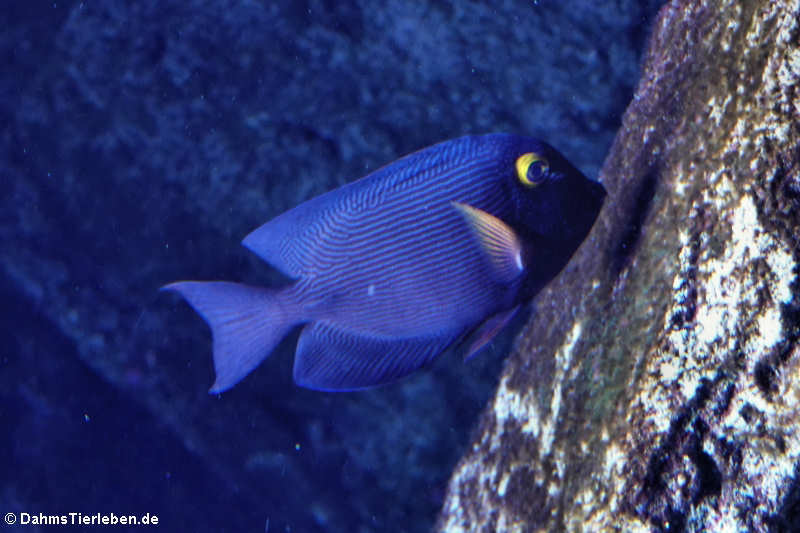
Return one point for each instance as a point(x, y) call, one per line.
point(246, 323)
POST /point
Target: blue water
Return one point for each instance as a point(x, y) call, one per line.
point(142, 140)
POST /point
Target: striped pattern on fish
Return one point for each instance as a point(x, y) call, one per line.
point(392, 269)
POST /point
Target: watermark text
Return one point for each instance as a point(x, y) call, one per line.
point(80, 519)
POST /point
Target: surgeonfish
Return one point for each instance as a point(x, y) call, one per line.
point(436, 249)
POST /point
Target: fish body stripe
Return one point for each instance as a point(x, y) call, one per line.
point(339, 231)
point(287, 242)
point(417, 254)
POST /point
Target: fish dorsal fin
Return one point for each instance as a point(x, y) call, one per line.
point(496, 239)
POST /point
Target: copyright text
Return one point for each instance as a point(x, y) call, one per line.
point(80, 519)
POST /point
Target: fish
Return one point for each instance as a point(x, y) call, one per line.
point(437, 249)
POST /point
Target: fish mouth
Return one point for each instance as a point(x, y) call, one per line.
point(595, 195)
point(596, 189)
point(584, 211)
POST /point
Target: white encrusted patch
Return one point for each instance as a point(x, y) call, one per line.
point(726, 308)
point(731, 320)
point(523, 411)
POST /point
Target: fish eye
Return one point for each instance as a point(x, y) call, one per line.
point(532, 169)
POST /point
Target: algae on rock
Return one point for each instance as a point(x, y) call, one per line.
point(657, 385)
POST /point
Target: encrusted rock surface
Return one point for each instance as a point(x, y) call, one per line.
point(657, 386)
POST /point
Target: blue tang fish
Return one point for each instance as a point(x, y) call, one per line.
point(438, 248)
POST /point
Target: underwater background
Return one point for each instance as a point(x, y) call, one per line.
point(140, 141)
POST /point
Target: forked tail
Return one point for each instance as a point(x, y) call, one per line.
point(246, 322)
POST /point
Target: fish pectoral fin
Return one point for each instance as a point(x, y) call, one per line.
point(496, 239)
point(333, 359)
point(488, 331)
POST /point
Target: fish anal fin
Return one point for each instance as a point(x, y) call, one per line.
point(333, 359)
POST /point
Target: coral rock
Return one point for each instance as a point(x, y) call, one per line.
point(657, 386)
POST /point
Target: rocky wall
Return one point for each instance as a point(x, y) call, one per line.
point(657, 385)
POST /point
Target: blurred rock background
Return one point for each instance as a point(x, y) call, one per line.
point(140, 141)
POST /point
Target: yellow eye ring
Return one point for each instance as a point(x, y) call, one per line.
point(524, 164)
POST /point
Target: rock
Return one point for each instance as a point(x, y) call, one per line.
point(657, 386)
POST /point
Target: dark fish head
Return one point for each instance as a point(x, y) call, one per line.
point(553, 201)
